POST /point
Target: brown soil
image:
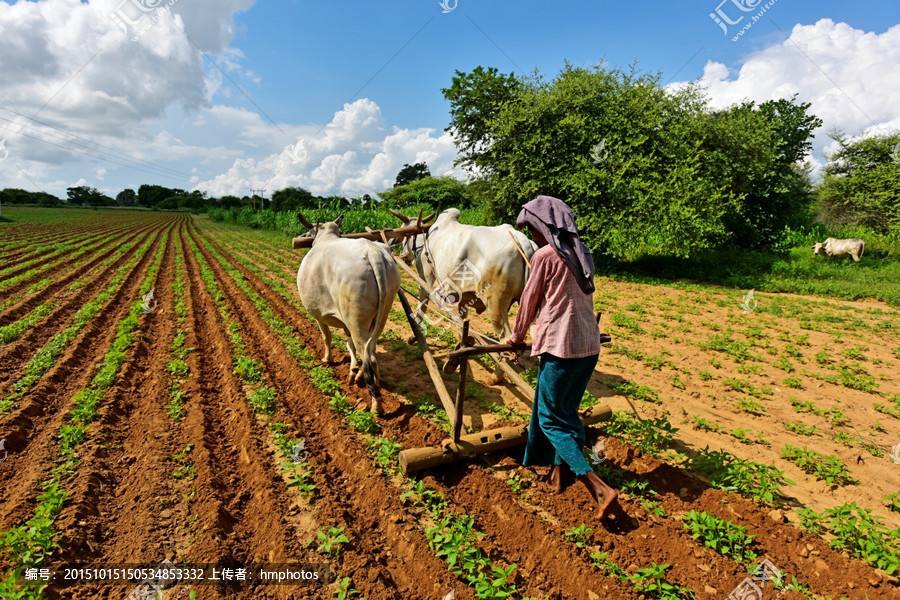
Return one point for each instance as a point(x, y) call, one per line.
point(235, 508)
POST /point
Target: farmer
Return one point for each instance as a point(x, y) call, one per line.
point(557, 298)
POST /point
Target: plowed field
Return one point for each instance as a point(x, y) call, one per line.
point(162, 399)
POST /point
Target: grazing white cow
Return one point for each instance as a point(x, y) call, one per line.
point(349, 284)
point(460, 261)
point(835, 247)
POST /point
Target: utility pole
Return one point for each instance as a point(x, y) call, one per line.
point(261, 192)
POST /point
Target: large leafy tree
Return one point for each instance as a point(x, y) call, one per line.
point(126, 197)
point(19, 196)
point(439, 192)
point(862, 183)
point(153, 195)
point(649, 172)
point(757, 151)
point(292, 198)
point(410, 173)
point(84, 195)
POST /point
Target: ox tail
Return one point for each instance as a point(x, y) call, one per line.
point(862, 249)
point(368, 358)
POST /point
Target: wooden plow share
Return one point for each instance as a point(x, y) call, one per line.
point(471, 344)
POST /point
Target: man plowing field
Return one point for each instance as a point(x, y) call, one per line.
point(557, 299)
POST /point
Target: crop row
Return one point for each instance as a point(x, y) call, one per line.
point(42, 361)
point(450, 534)
point(31, 544)
point(177, 366)
point(67, 252)
point(14, 330)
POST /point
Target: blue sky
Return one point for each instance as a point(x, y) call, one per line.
point(314, 56)
point(336, 96)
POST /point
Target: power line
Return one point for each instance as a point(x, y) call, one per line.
point(109, 160)
point(98, 147)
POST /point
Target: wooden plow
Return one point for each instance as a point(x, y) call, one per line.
point(471, 344)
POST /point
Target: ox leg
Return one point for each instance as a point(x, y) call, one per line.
point(500, 323)
point(351, 349)
point(326, 339)
point(370, 365)
point(855, 256)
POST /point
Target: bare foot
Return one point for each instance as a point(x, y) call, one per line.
point(555, 478)
point(605, 495)
point(610, 504)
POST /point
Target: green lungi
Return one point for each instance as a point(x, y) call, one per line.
point(556, 434)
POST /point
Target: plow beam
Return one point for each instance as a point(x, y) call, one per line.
point(485, 442)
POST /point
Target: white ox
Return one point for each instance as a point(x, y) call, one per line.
point(349, 284)
point(460, 261)
point(835, 247)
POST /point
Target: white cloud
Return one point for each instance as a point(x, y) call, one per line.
point(352, 154)
point(850, 76)
point(79, 68)
point(73, 64)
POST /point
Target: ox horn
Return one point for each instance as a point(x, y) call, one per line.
point(304, 221)
point(403, 218)
point(339, 219)
point(429, 218)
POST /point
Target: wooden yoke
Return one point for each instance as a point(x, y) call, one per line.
point(379, 235)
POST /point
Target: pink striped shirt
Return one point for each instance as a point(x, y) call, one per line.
point(565, 325)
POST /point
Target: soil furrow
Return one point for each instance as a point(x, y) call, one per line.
point(31, 427)
point(59, 260)
point(81, 269)
point(123, 469)
point(392, 550)
point(14, 357)
point(243, 518)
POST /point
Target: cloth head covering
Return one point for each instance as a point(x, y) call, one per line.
point(556, 222)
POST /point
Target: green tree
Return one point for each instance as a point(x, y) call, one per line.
point(229, 202)
point(152, 195)
point(292, 198)
point(439, 192)
point(19, 196)
point(862, 183)
point(410, 173)
point(126, 197)
point(83, 195)
point(648, 171)
point(757, 151)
